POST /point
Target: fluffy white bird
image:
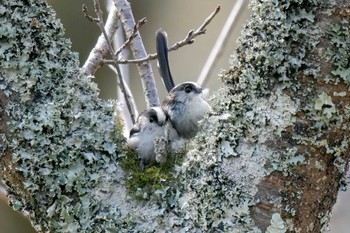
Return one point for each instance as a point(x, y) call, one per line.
point(185, 105)
point(150, 126)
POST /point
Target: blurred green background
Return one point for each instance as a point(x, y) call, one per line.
point(176, 18)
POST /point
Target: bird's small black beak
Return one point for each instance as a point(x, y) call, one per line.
point(199, 90)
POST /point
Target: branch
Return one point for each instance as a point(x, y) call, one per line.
point(189, 39)
point(128, 94)
point(192, 34)
point(87, 15)
point(101, 25)
point(100, 50)
point(50, 170)
point(138, 25)
point(129, 100)
point(138, 51)
point(221, 42)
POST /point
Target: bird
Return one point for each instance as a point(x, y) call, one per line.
point(150, 126)
point(184, 106)
point(185, 103)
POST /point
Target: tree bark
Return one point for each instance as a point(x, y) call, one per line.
point(270, 158)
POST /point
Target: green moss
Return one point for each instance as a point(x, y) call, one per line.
point(72, 155)
point(143, 183)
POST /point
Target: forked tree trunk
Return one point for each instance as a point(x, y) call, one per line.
point(271, 156)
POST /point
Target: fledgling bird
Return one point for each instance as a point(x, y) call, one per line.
point(150, 126)
point(185, 104)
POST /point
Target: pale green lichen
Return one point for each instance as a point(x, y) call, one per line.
point(324, 219)
point(277, 224)
point(255, 109)
point(324, 103)
point(65, 136)
point(339, 51)
point(67, 146)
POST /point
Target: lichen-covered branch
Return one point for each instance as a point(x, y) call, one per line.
point(60, 139)
point(270, 158)
point(279, 148)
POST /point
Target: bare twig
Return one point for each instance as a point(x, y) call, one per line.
point(129, 100)
point(87, 15)
point(146, 59)
point(100, 50)
point(118, 41)
point(128, 93)
point(138, 25)
point(192, 34)
point(189, 39)
point(100, 23)
point(221, 42)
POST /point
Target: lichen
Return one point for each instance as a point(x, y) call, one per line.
point(65, 136)
point(69, 148)
point(338, 52)
point(255, 128)
point(277, 224)
point(324, 103)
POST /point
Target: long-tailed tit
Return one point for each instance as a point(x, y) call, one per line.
point(151, 127)
point(185, 104)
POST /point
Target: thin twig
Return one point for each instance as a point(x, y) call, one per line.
point(189, 39)
point(128, 92)
point(129, 100)
point(100, 23)
point(87, 15)
point(101, 49)
point(192, 34)
point(148, 58)
point(138, 25)
point(221, 42)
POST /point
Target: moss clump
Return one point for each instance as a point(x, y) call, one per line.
point(154, 179)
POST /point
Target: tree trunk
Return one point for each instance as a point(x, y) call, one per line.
point(271, 157)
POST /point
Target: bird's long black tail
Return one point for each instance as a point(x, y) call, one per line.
point(163, 61)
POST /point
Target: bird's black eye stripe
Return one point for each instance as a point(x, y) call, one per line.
point(134, 131)
point(153, 119)
point(188, 88)
point(153, 116)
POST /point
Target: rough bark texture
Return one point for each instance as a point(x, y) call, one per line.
point(271, 156)
point(59, 138)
